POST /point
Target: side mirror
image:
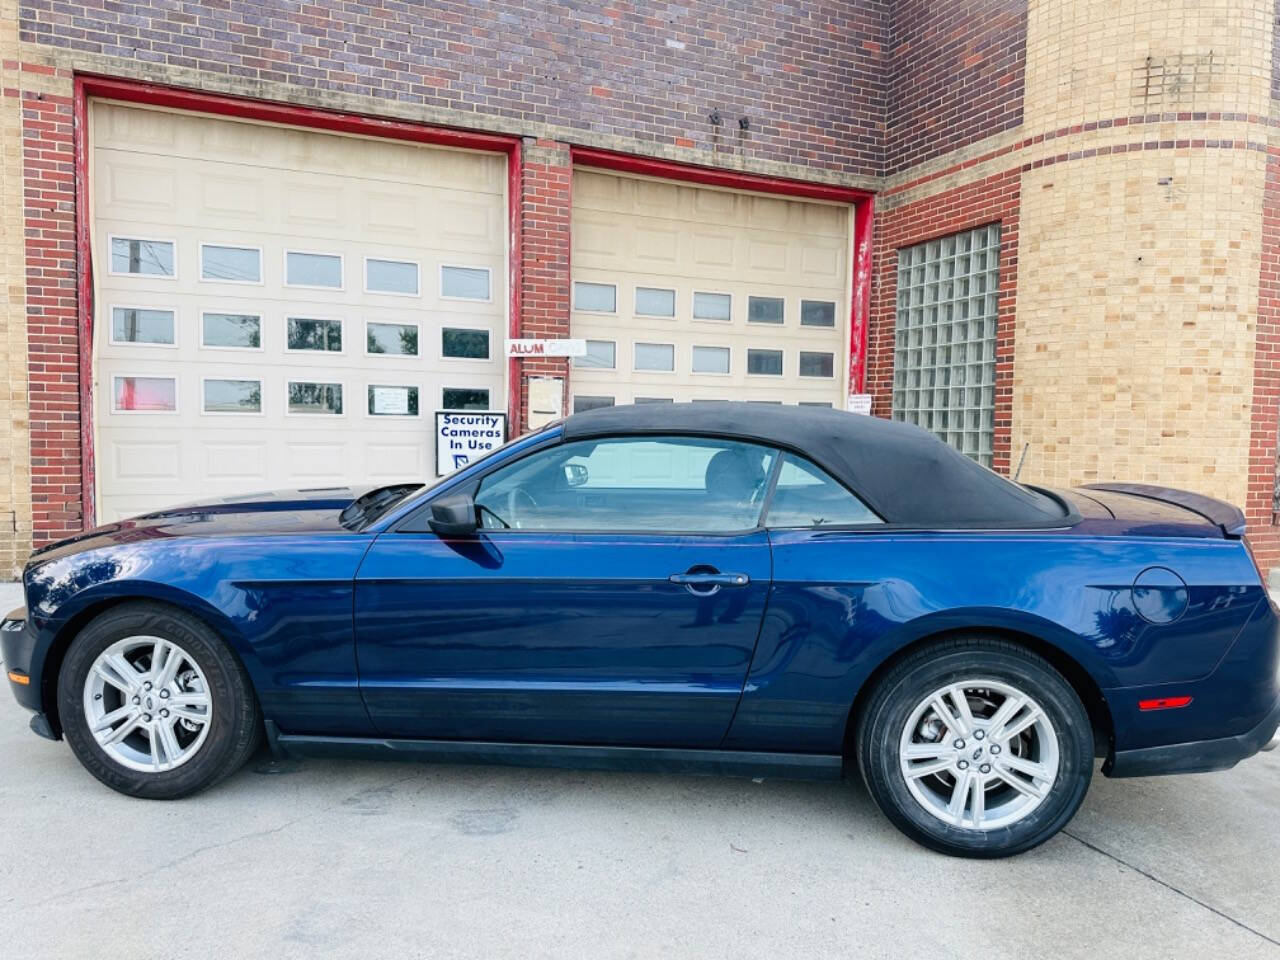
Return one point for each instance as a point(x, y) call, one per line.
point(575, 474)
point(454, 516)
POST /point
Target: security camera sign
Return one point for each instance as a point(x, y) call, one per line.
point(462, 437)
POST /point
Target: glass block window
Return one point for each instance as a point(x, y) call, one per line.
point(944, 360)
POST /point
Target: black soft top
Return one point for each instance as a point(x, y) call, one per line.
point(903, 472)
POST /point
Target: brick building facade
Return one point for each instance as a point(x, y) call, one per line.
point(1114, 160)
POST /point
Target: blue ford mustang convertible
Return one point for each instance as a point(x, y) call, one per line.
point(768, 591)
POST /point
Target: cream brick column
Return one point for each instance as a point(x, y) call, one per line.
point(1140, 245)
point(15, 458)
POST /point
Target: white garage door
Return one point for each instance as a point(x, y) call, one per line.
point(689, 293)
point(276, 307)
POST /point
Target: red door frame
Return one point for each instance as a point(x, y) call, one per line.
point(862, 202)
point(131, 91)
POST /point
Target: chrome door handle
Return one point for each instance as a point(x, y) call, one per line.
point(709, 584)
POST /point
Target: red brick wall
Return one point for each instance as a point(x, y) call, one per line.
point(52, 315)
point(955, 75)
point(808, 75)
point(545, 206)
point(993, 200)
point(1264, 535)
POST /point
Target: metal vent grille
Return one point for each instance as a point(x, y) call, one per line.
point(944, 361)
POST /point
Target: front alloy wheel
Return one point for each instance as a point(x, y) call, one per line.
point(148, 705)
point(975, 747)
point(154, 703)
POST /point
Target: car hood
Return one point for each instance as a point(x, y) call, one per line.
point(278, 512)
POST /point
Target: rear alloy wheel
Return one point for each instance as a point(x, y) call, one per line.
point(154, 704)
point(976, 748)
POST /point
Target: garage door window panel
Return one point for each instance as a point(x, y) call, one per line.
point(231, 331)
point(312, 398)
point(385, 400)
point(139, 393)
point(464, 398)
point(314, 334)
point(600, 355)
point(772, 310)
point(654, 357)
point(661, 484)
point(711, 360)
point(712, 306)
point(397, 278)
point(464, 343)
point(143, 327)
point(391, 339)
point(465, 283)
point(817, 313)
point(143, 257)
point(231, 397)
point(764, 363)
point(595, 297)
point(655, 302)
point(315, 271)
point(814, 364)
point(230, 264)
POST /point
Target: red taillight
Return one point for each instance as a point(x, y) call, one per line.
point(1163, 703)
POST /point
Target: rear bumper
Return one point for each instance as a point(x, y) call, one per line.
point(1197, 756)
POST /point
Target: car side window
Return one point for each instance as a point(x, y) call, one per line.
point(660, 484)
point(806, 496)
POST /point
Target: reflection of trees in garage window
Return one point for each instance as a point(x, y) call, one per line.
point(133, 325)
point(766, 309)
point(464, 344)
point(242, 330)
point(765, 362)
point(392, 338)
point(817, 364)
point(307, 397)
point(465, 398)
point(230, 264)
point(817, 313)
point(233, 396)
point(307, 334)
point(152, 258)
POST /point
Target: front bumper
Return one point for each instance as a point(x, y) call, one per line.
point(1197, 756)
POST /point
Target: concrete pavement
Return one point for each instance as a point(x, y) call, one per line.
point(388, 860)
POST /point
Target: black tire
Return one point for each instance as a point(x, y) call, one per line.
point(236, 726)
point(909, 682)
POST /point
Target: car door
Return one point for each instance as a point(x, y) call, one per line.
point(614, 594)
